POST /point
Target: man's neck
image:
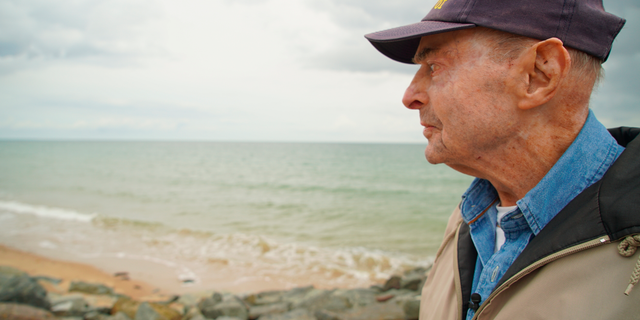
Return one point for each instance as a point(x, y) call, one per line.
point(517, 168)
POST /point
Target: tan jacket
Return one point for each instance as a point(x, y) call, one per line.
point(571, 270)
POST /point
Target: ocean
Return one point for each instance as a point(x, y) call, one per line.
point(228, 215)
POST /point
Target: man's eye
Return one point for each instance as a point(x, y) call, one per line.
point(434, 67)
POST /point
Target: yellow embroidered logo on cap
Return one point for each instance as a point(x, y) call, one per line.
point(439, 4)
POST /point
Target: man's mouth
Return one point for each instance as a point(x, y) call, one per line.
point(428, 130)
point(428, 125)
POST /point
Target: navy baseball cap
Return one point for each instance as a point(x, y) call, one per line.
point(580, 24)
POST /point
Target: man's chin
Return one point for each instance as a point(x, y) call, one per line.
point(433, 156)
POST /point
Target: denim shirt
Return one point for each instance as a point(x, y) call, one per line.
point(587, 159)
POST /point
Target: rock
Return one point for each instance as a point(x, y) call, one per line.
point(377, 287)
point(119, 316)
point(420, 271)
point(408, 302)
point(327, 315)
point(166, 311)
point(96, 315)
point(10, 271)
point(104, 302)
point(295, 295)
point(378, 311)
point(126, 306)
point(412, 309)
point(211, 312)
point(47, 279)
point(156, 311)
point(17, 286)
point(207, 305)
point(131, 308)
point(146, 312)
point(315, 300)
point(189, 300)
point(16, 311)
point(72, 306)
point(60, 298)
point(414, 279)
point(358, 297)
point(335, 303)
point(198, 316)
point(216, 296)
point(70, 318)
point(231, 307)
point(193, 314)
point(169, 300)
point(402, 293)
point(412, 283)
point(297, 314)
point(90, 288)
point(262, 298)
point(312, 299)
point(392, 283)
point(257, 311)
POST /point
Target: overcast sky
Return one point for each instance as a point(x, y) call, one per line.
point(256, 70)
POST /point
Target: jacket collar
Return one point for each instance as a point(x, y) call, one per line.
point(619, 200)
point(608, 207)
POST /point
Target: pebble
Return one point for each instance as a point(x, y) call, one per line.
point(398, 298)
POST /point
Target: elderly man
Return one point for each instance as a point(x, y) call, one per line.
point(549, 228)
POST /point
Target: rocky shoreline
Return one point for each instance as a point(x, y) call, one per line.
point(27, 297)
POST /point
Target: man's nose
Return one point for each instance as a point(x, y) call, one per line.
point(409, 100)
point(415, 97)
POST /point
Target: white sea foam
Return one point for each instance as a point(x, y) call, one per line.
point(268, 256)
point(46, 212)
point(47, 244)
point(195, 256)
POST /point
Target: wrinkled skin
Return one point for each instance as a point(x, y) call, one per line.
point(463, 99)
point(504, 120)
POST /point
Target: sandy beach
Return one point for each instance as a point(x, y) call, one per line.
point(397, 298)
point(148, 280)
point(67, 271)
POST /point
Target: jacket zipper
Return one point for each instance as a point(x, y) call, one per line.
point(558, 255)
point(456, 277)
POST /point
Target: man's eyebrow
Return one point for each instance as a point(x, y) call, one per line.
point(423, 53)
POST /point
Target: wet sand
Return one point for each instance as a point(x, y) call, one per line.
point(148, 280)
point(67, 271)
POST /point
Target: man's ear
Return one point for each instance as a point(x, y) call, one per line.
point(546, 64)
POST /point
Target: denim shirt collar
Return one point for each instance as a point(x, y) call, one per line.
point(583, 163)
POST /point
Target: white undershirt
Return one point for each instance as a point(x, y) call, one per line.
point(500, 239)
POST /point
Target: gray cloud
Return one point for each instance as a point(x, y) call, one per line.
point(616, 101)
point(245, 2)
point(33, 31)
point(372, 14)
point(626, 42)
point(358, 56)
point(352, 52)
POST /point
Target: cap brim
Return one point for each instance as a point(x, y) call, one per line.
point(400, 44)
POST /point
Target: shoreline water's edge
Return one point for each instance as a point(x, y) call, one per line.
point(75, 291)
point(167, 255)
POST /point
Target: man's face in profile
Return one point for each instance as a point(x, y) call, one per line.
point(462, 97)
